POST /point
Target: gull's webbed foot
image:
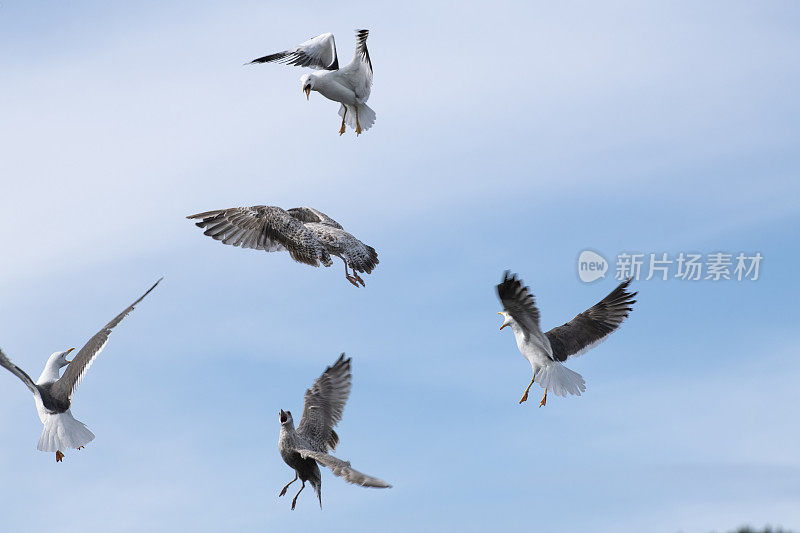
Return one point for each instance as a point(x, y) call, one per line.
point(358, 278)
point(59, 456)
point(524, 397)
point(352, 280)
point(80, 447)
point(544, 399)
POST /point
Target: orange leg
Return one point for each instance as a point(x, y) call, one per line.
point(342, 129)
point(525, 396)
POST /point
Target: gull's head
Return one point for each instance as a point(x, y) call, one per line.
point(285, 418)
point(506, 319)
point(307, 83)
point(60, 358)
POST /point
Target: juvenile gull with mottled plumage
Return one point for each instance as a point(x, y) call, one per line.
point(310, 236)
point(304, 447)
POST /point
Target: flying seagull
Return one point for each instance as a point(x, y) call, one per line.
point(349, 85)
point(304, 447)
point(310, 236)
point(546, 351)
point(53, 395)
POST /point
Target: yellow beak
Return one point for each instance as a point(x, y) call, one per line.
point(66, 354)
point(307, 90)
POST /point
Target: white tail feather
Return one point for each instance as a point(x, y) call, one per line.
point(62, 431)
point(560, 380)
point(366, 116)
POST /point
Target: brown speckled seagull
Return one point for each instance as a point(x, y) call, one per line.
point(304, 447)
point(310, 236)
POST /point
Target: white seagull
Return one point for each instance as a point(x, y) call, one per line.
point(546, 351)
point(53, 395)
point(349, 85)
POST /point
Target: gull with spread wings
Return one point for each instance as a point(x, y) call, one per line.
point(349, 85)
point(303, 448)
point(53, 394)
point(310, 236)
point(547, 351)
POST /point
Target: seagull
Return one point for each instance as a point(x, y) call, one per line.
point(310, 236)
point(53, 395)
point(304, 447)
point(546, 351)
point(349, 85)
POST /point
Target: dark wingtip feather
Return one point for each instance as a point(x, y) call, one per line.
point(267, 59)
point(509, 285)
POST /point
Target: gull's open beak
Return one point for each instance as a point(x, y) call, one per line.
point(66, 354)
point(504, 325)
point(307, 90)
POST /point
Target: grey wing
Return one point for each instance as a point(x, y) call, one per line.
point(65, 387)
point(266, 228)
point(518, 301)
point(17, 371)
point(358, 72)
point(318, 53)
point(324, 404)
point(592, 326)
point(309, 214)
point(343, 469)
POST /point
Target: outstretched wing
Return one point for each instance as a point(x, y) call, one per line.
point(359, 71)
point(591, 327)
point(266, 228)
point(17, 371)
point(309, 214)
point(64, 388)
point(318, 53)
point(324, 404)
point(518, 301)
point(344, 470)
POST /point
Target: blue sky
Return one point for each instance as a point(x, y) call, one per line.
point(508, 136)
